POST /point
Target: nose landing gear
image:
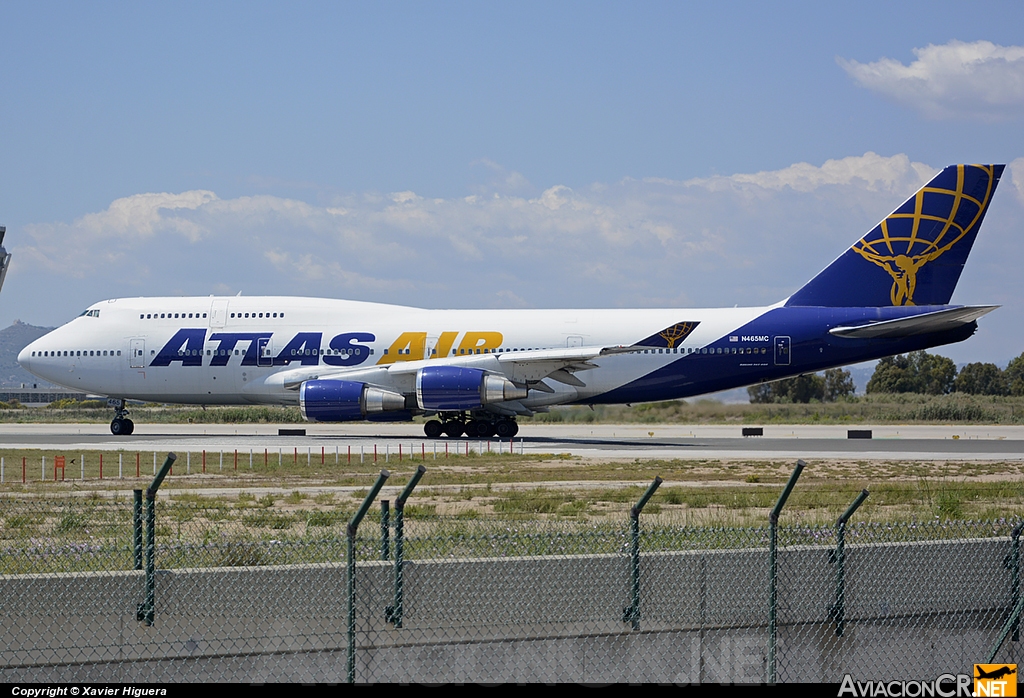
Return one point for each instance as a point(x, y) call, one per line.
point(121, 425)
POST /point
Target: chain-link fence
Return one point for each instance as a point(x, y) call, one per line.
point(248, 592)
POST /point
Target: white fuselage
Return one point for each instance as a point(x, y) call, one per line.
point(243, 350)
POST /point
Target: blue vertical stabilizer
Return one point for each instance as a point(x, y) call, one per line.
point(915, 255)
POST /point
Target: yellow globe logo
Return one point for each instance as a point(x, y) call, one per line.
point(908, 239)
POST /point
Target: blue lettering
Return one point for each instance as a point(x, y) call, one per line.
point(304, 347)
point(185, 346)
point(228, 340)
point(351, 354)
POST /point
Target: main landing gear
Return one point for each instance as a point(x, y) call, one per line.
point(121, 426)
point(455, 424)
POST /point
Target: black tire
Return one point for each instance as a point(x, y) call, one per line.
point(515, 428)
point(453, 430)
point(504, 429)
point(129, 427)
point(117, 427)
point(484, 430)
point(472, 429)
point(433, 429)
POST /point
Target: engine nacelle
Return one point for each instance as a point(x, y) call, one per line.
point(344, 401)
point(457, 388)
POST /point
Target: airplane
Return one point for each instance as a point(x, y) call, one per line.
point(474, 372)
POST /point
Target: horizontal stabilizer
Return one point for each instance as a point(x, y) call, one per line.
point(925, 323)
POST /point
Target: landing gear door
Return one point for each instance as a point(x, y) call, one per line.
point(265, 349)
point(137, 349)
point(782, 353)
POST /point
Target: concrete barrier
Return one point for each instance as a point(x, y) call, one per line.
point(557, 618)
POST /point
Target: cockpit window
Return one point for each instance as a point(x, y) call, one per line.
point(90, 313)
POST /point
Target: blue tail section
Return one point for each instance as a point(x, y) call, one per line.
point(915, 255)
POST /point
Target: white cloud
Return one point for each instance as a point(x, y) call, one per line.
point(1016, 169)
point(978, 80)
point(718, 241)
point(874, 171)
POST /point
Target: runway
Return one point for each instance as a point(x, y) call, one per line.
point(603, 441)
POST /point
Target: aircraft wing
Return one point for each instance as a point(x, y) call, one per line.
point(525, 368)
point(916, 324)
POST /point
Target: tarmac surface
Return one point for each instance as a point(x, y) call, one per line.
point(600, 441)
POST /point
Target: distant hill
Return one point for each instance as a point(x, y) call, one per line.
point(12, 340)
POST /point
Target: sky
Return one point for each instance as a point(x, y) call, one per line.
point(495, 155)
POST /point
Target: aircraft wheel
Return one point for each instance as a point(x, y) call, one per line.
point(485, 430)
point(515, 428)
point(118, 428)
point(129, 427)
point(504, 428)
point(433, 429)
point(453, 430)
point(472, 428)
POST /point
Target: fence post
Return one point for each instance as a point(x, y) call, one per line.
point(350, 535)
point(137, 528)
point(147, 609)
point(393, 613)
point(773, 581)
point(631, 614)
point(1015, 573)
point(385, 530)
point(838, 610)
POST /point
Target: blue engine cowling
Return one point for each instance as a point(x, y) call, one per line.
point(457, 388)
point(344, 401)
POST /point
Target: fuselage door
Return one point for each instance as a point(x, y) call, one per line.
point(265, 349)
point(138, 353)
point(573, 341)
point(782, 353)
point(218, 313)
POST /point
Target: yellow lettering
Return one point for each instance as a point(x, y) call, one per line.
point(444, 344)
point(410, 346)
point(472, 342)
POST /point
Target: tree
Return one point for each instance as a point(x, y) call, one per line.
point(1015, 376)
point(935, 373)
point(916, 372)
point(893, 375)
point(761, 393)
point(982, 379)
point(800, 389)
point(838, 384)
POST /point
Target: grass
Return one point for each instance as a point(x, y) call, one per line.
point(490, 503)
point(907, 408)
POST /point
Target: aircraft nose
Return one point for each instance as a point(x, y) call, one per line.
point(25, 357)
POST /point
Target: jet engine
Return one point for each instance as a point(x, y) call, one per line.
point(457, 388)
point(341, 401)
